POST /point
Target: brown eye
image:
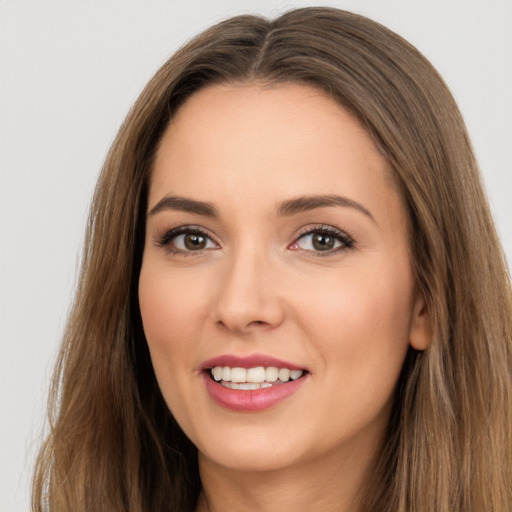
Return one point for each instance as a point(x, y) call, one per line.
point(186, 239)
point(194, 241)
point(325, 239)
point(323, 242)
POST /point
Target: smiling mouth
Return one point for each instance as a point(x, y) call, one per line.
point(258, 377)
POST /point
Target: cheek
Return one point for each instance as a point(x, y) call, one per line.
point(363, 322)
point(361, 332)
point(172, 318)
point(170, 306)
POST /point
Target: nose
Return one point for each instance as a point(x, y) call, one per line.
point(248, 297)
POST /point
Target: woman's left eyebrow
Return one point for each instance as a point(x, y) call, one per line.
point(286, 208)
point(306, 203)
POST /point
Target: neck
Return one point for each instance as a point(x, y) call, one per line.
point(328, 484)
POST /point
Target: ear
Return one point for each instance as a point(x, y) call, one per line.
point(420, 334)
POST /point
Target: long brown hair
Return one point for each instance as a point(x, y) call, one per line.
point(114, 445)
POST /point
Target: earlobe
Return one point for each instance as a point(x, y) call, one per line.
point(420, 333)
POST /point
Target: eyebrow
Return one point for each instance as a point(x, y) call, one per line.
point(183, 204)
point(306, 203)
point(285, 209)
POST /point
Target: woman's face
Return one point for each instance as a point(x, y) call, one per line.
point(276, 248)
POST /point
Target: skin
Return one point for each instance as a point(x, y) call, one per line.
point(346, 314)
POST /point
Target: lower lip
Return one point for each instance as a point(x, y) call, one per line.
point(251, 400)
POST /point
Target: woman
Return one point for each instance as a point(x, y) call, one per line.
point(292, 292)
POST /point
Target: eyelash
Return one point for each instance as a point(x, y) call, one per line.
point(166, 239)
point(347, 242)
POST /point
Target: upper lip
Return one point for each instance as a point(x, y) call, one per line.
point(251, 361)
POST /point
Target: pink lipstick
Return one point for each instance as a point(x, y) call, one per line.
point(249, 362)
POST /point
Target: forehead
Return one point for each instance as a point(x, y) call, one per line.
point(266, 142)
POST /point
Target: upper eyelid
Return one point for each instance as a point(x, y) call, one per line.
point(347, 240)
point(307, 229)
point(170, 233)
point(328, 228)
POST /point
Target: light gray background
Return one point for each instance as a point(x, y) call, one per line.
point(69, 72)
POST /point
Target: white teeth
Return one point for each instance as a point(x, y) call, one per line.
point(284, 375)
point(295, 374)
point(249, 385)
point(256, 374)
point(217, 373)
point(237, 378)
point(226, 373)
point(238, 375)
point(271, 374)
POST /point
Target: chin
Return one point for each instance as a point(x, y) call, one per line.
point(254, 454)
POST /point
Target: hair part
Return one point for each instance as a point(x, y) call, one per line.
point(113, 443)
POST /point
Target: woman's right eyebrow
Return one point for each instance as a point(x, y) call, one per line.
point(184, 205)
point(290, 207)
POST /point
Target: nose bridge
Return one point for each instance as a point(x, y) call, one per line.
point(248, 294)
